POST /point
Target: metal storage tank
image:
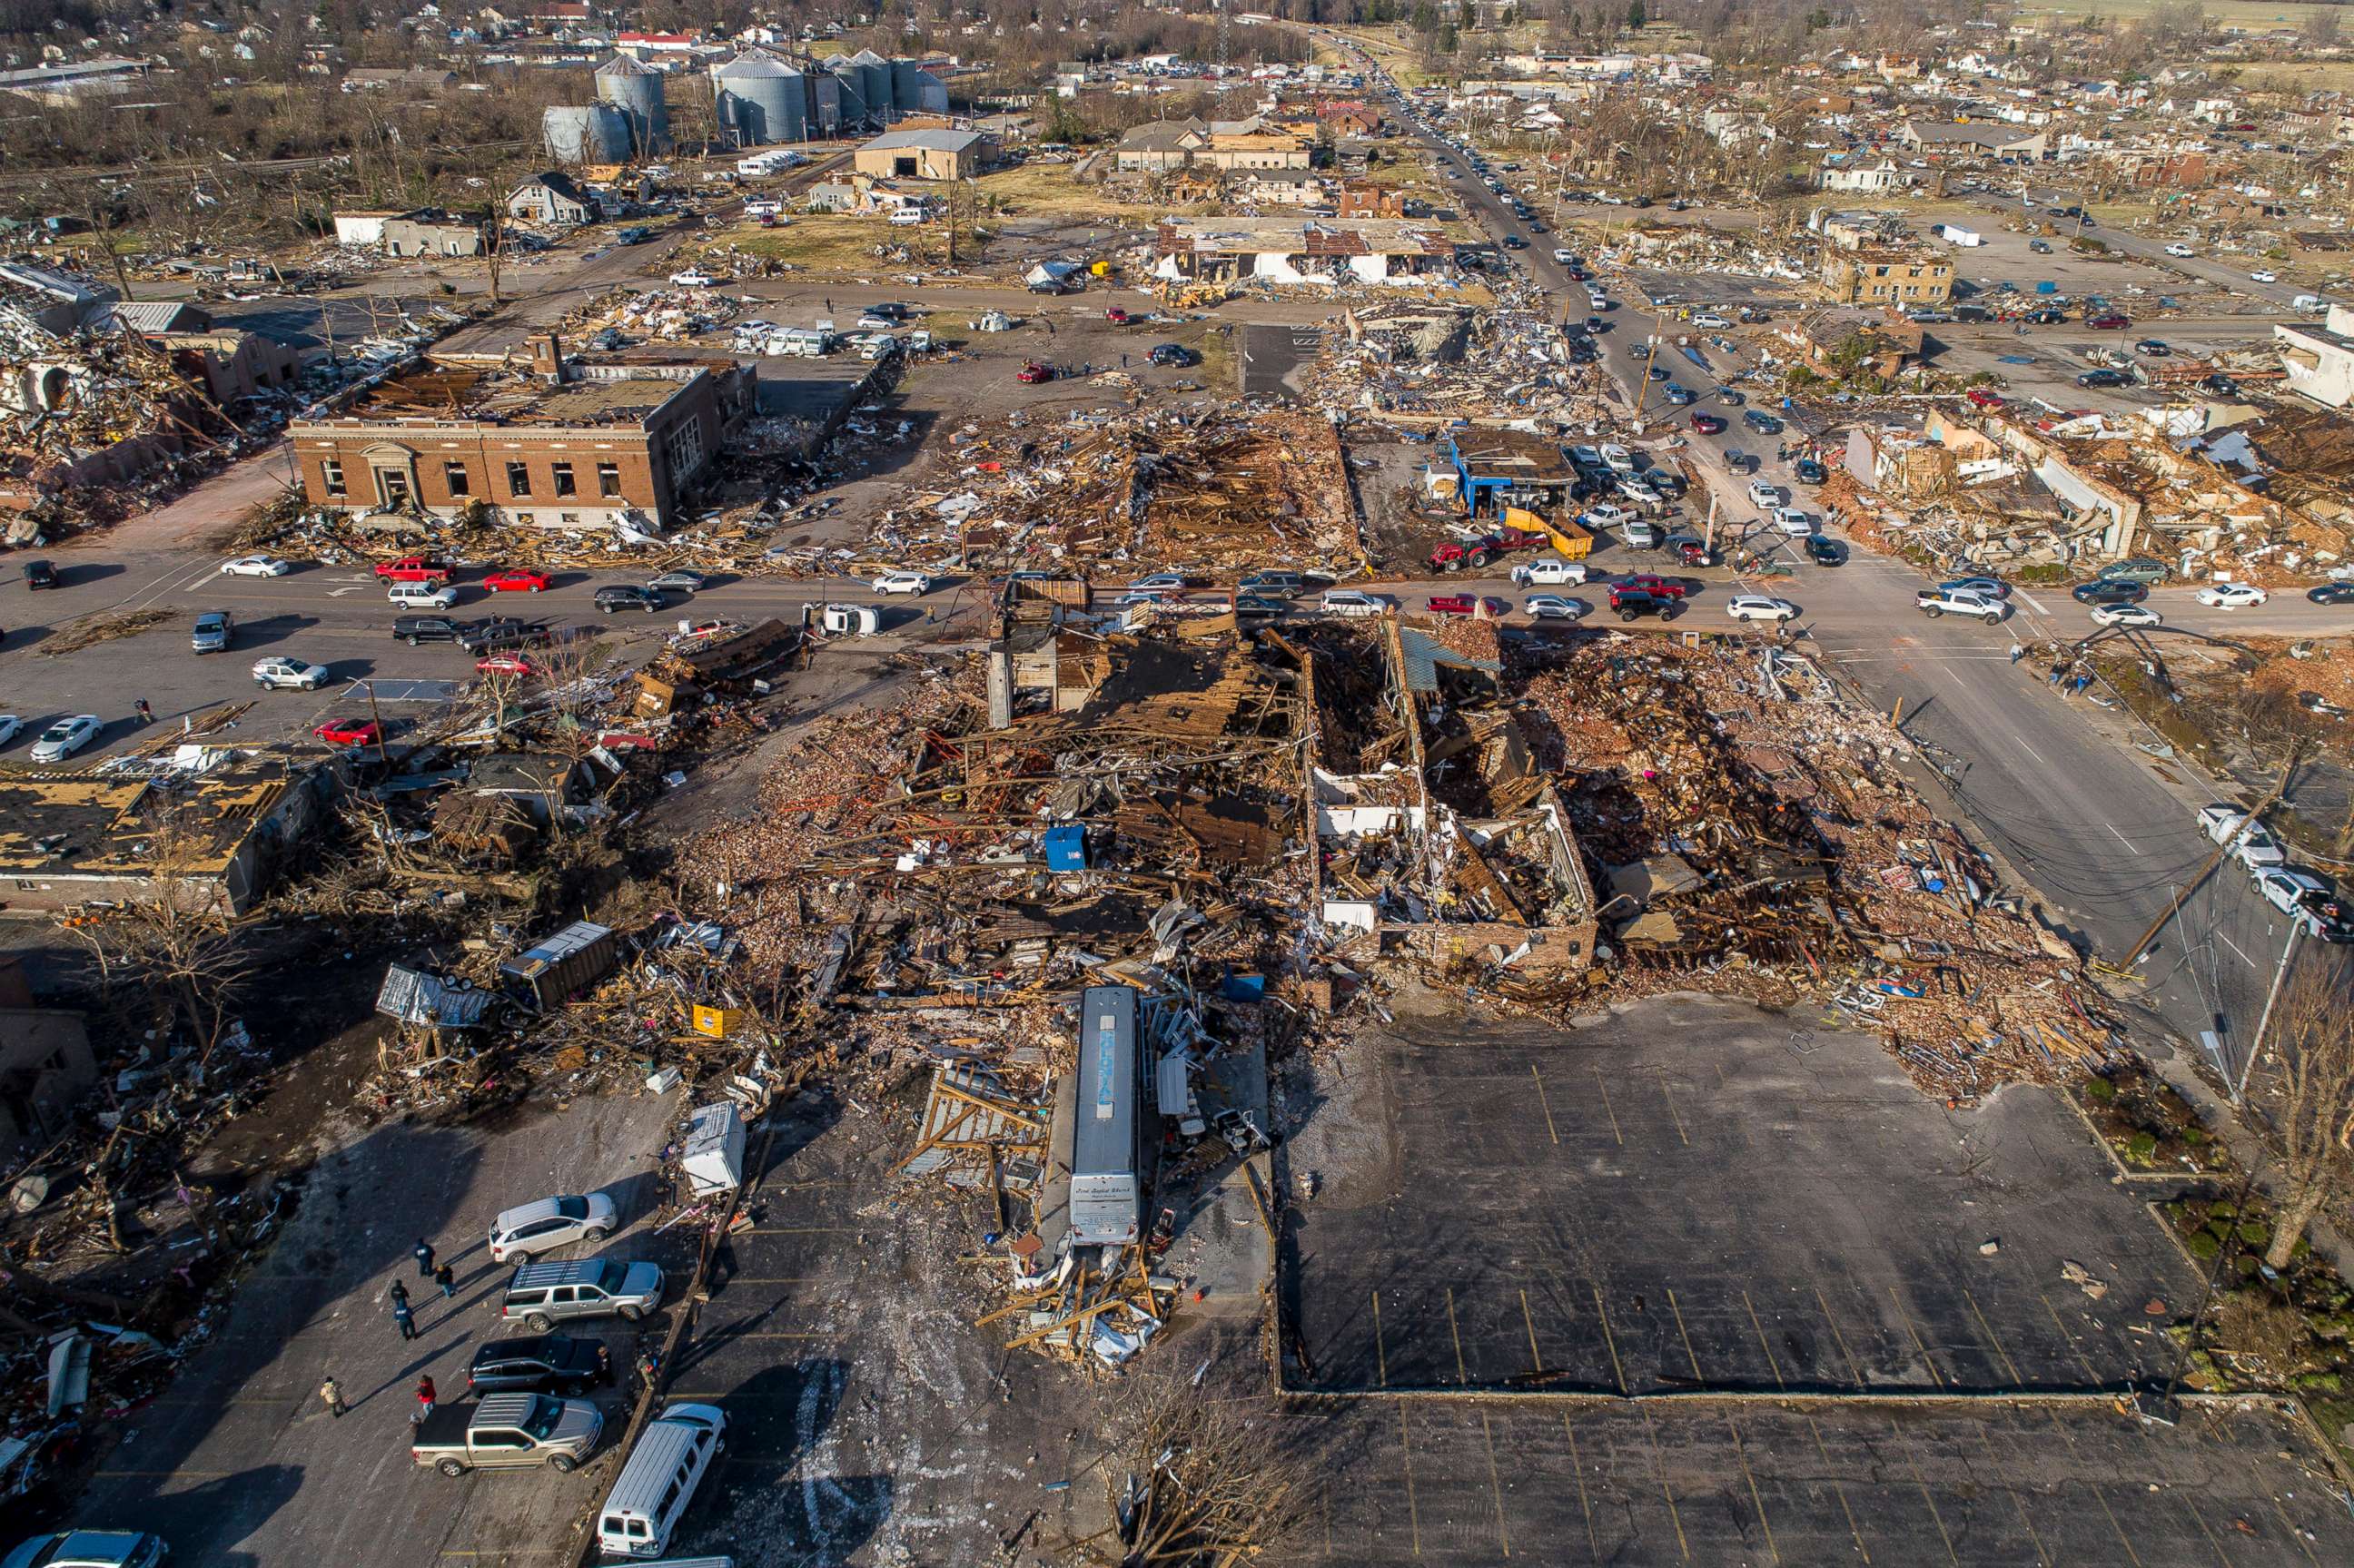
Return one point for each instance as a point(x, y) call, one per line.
point(586, 134)
point(932, 94)
point(637, 91)
point(852, 96)
point(761, 99)
point(874, 83)
point(822, 90)
point(907, 95)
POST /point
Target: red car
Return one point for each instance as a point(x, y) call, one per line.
point(1117, 315)
point(1984, 398)
point(349, 732)
point(516, 579)
point(505, 665)
point(1647, 582)
point(414, 569)
point(1031, 373)
point(1708, 424)
point(1465, 604)
point(2106, 323)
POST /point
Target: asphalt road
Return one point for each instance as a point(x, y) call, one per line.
point(2229, 275)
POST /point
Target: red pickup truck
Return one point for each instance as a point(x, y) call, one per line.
point(414, 569)
point(1466, 604)
point(1646, 582)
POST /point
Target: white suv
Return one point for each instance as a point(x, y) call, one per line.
point(1764, 497)
point(520, 1234)
point(903, 582)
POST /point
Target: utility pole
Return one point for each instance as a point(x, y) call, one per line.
point(2182, 894)
point(2264, 1020)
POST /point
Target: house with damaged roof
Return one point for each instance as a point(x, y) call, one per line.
point(1287, 251)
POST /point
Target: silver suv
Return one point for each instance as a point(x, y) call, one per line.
point(542, 1295)
point(522, 1233)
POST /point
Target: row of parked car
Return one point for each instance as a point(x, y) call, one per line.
point(2309, 900)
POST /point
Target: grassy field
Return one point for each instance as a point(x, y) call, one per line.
point(2333, 75)
point(826, 242)
point(1047, 190)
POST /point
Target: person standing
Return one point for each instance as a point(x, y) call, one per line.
point(406, 1318)
point(2016, 653)
point(399, 1294)
point(331, 1395)
point(423, 1252)
point(447, 1279)
point(425, 1393)
point(147, 714)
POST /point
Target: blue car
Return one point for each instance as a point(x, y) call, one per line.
point(89, 1549)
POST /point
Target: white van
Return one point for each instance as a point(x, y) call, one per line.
point(654, 1488)
point(907, 217)
point(2311, 304)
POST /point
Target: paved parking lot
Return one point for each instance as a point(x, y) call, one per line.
point(239, 1463)
point(1697, 1195)
point(1446, 1481)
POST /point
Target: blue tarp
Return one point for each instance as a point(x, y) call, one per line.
point(1066, 848)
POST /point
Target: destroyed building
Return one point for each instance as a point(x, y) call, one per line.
point(1301, 250)
point(563, 444)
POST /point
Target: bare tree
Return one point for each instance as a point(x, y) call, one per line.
point(494, 244)
point(1202, 1483)
point(2312, 1102)
point(172, 947)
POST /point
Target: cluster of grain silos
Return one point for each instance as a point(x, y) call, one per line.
point(765, 97)
point(630, 118)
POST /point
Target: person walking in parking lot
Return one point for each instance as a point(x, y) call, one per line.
point(147, 714)
point(406, 1318)
point(425, 1393)
point(399, 1294)
point(447, 1279)
point(332, 1395)
point(423, 1252)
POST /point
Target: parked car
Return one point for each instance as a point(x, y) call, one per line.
point(1759, 420)
point(1992, 588)
point(2178, 248)
point(2331, 593)
point(89, 1549)
point(1258, 606)
point(2040, 246)
point(1824, 552)
point(2125, 615)
point(1349, 602)
point(1762, 495)
point(2264, 277)
point(510, 664)
point(2110, 322)
point(2139, 570)
point(2287, 890)
point(1455, 604)
point(516, 579)
point(1709, 319)
point(2232, 596)
point(1160, 582)
point(1690, 552)
point(2101, 379)
point(1275, 584)
point(1172, 354)
point(2152, 348)
point(66, 737)
point(542, 1364)
point(1631, 604)
point(615, 597)
point(421, 595)
point(520, 1233)
point(279, 674)
point(1553, 606)
point(1117, 315)
point(1650, 583)
point(1791, 522)
point(1681, 397)
point(678, 580)
point(2110, 590)
point(416, 628)
point(1031, 373)
point(350, 732)
point(500, 632)
point(10, 725)
point(1983, 397)
point(917, 583)
point(507, 1432)
point(413, 569)
point(545, 1294)
point(1934, 602)
point(214, 632)
point(255, 567)
point(693, 278)
point(39, 575)
point(1809, 472)
point(1549, 571)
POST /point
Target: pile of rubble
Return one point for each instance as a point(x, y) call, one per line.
point(654, 315)
point(1401, 360)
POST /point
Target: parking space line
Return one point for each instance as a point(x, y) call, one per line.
point(1685, 1334)
point(1620, 1136)
point(1659, 1465)
point(1668, 1094)
point(1530, 1318)
point(1457, 1334)
point(1837, 1491)
point(2069, 1338)
point(1381, 1354)
point(2041, 1556)
point(1545, 1104)
point(1495, 1482)
point(1617, 1373)
point(1992, 1338)
point(2123, 1538)
point(2221, 1555)
point(1922, 1481)
point(1918, 1344)
point(1585, 1503)
point(1762, 1343)
point(1854, 1371)
point(1740, 1452)
point(1406, 1461)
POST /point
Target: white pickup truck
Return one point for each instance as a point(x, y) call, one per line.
point(1933, 602)
point(1549, 571)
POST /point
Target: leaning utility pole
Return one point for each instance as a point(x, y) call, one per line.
point(2134, 954)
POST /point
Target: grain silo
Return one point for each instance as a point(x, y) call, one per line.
point(637, 91)
point(851, 93)
point(761, 100)
point(931, 95)
point(822, 90)
point(907, 94)
point(874, 84)
point(586, 134)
